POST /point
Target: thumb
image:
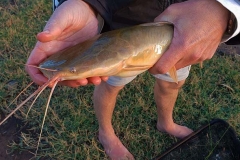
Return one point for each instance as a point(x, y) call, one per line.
point(64, 20)
point(59, 21)
point(53, 29)
point(168, 15)
point(164, 17)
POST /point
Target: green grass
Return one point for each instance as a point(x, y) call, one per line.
point(70, 130)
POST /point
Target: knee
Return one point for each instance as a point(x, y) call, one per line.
point(177, 85)
point(168, 86)
point(105, 87)
point(112, 88)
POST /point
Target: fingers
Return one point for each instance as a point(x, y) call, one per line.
point(197, 34)
point(74, 83)
point(64, 21)
point(71, 23)
point(83, 82)
point(164, 17)
point(39, 79)
point(104, 78)
point(36, 75)
point(166, 62)
point(179, 57)
point(34, 59)
point(54, 28)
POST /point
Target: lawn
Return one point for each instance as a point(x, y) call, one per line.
point(70, 130)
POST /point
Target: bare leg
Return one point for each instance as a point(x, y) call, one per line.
point(104, 103)
point(165, 94)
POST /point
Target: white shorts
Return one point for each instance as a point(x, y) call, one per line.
point(121, 81)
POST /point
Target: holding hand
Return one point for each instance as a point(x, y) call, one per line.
point(198, 28)
point(71, 23)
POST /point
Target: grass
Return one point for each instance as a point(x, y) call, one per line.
point(70, 130)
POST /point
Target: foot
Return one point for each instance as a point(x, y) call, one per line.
point(175, 130)
point(114, 147)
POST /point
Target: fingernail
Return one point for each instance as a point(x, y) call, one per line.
point(46, 31)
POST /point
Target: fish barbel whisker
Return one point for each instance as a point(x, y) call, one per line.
point(138, 48)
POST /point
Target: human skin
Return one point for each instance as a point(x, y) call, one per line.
point(66, 27)
point(198, 29)
point(199, 26)
point(165, 93)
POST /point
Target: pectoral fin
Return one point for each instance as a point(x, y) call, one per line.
point(173, 74)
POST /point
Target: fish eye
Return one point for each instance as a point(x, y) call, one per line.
point(73, 70)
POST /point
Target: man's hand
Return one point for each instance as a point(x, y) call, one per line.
point(71, 23)
point(198, 28)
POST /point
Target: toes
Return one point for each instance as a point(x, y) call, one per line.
point(183, 132)
point(115, 149)
point(176, 130)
